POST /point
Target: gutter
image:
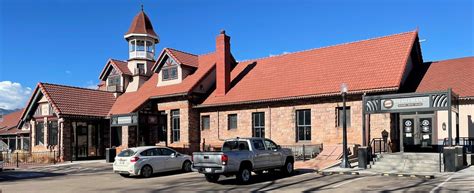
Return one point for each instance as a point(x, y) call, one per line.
point(298, 97)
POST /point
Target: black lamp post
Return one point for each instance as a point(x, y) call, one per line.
point(344, 163)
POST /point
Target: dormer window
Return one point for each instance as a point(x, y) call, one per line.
point(170, 73)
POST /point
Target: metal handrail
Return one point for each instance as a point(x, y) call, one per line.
point(385, 148)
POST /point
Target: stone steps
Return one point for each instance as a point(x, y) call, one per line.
point(406, 162)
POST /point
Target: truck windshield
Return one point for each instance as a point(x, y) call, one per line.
point(126, 153)
point(235, 146)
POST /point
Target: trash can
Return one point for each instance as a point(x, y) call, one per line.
point(449, 156)
point(110, 155)
point(362, 157)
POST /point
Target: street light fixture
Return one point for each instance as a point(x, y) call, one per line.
point(344, 163)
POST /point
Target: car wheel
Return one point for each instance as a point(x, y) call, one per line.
point(186, 166)
point(146, 171)
point(125, 175)
point(212, 177)
point(244, 175)
point(288, 168)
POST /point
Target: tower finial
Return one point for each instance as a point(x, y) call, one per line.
point(142, 6)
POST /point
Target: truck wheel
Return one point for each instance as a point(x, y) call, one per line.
point(288, 168)
point(212, 177)
point(244, 175)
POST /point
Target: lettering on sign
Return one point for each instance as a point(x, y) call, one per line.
point(406, 103)
point(124, 120)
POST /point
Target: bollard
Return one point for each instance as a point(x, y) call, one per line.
point(54, 156)
point(304, 153)
point(17, 160)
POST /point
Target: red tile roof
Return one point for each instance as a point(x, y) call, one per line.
point(119, 65)
point(9, 123)
point(457, 74)
point(67, 100)
point(141, 24)
point(184, 57)
point(372, 64)
point(131, 101)
point(122, 66)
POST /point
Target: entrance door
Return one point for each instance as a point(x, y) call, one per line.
point(417, 133)
point(162, 128)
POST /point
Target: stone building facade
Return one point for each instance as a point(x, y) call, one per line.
point(186, 101)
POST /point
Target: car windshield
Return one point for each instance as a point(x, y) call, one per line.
point(126, 153)
point(235, 146)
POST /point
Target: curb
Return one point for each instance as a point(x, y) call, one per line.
point(332, 173)
point(409, 175)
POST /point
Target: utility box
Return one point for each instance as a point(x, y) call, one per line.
point(459, 157)
point(110, 155)
point(449, 155)
point(362, 157)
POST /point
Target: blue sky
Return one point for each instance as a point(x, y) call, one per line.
point(68, 42)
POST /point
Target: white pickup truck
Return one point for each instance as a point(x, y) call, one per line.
point(241, 157)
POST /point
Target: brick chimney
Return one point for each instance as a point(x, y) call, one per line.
point(222, 64)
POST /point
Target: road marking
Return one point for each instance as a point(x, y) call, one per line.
point(441, 184)
point(347, 182)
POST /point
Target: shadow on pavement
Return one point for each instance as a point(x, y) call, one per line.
point(25, 175)
point(259, 178)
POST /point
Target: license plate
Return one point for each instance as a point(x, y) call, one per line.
point(121, 162)
point(208, 169)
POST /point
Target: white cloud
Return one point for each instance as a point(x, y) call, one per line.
point(13, 95)
point(91, 85)
point(68, 72)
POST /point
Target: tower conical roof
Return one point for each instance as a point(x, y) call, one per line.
point(141, 24)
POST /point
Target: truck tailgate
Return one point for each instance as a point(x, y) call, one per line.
point(207, 158)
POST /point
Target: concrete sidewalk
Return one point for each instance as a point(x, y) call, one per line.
point(27, 167)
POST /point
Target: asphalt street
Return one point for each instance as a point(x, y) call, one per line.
point(98, 177)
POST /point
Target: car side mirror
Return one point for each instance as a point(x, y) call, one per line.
point(278, 147)
point(173, 155)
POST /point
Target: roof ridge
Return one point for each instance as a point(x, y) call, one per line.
point(117, 60)
point(75, 87)
point(464, 57)
point(324, 47)
point(181, 51)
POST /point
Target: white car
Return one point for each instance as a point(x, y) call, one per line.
point(145, 161)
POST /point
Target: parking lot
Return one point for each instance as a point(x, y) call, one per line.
point(98, 177)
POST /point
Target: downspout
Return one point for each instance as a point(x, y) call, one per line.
point(270, 120)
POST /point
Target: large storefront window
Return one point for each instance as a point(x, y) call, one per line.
point(53, 132)
point(86, 142)
point(175, 125)
point(39, 133)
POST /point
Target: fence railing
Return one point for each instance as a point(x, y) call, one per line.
point(378, 145)
point(18, 159)
point(305, 151)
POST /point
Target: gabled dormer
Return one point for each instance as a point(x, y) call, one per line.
point(174, 66)
point(116, 76)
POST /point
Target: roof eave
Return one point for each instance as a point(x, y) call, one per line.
point(358, 92)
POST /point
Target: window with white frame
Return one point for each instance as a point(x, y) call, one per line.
point(303, 125)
